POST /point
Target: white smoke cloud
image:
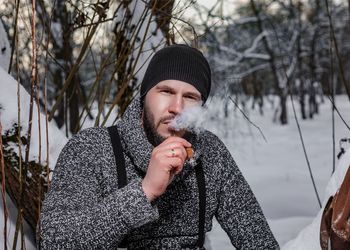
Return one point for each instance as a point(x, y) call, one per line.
point(192, 118)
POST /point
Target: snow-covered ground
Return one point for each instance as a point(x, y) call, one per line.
point(9, 117)
point(276, 168)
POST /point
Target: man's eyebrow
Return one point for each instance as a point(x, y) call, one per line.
point(164, 87)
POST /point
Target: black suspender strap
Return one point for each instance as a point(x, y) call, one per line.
point(122, 181)
point(118, 154)
point(202, 201)
point(120, 162)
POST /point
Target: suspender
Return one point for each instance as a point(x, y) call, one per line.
point(118, 154)
point(122, 181)
point(202, 201)
point(120, 163)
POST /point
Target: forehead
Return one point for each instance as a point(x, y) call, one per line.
point(177, 86)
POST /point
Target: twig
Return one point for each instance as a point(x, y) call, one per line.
point(247, 118)
point(45, 104)
point(14, 41)
point(340, 116)
point(3, 188)
point(273, 65)
point(19, 141)
point(304, 149)
point(33, 94)
point(287, 77)
point(340, 62)
point(125, 84)
point(332, 89)
point(74, 69)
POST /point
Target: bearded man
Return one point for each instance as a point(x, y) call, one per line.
point(134, 185)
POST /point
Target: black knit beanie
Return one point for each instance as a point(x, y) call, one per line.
point(178, 62)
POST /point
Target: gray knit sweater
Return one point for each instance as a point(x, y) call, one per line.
point(84, 209)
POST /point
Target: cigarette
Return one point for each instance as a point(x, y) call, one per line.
point(190, 153)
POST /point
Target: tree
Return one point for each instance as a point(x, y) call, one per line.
point(285, 43)
point(73, 56)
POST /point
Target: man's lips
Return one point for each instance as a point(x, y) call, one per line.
point(167, 123)
point(167, 120)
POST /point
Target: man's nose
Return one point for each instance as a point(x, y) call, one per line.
point(176, 105)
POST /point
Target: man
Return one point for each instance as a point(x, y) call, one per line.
point(168, 201)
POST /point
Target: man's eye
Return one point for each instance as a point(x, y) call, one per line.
point(166, 91)
point(192, 98)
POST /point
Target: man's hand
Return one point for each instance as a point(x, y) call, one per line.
point(167, 160)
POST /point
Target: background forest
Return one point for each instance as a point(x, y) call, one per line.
point(82, 63)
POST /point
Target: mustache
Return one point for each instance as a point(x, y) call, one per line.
point(166, 118)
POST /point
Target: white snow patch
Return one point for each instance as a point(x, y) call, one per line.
point(308, 238)
point(9, 117)
point(11, 228)
point(275, 169)
point(152, 35)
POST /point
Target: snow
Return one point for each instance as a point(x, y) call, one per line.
point(11, 227)
point(9, 117)
point(301, 242)
point(248, 53)
point(276, 168)
point(149, 37)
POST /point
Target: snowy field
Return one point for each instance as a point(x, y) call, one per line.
point(276, 168)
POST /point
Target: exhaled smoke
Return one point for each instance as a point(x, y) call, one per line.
point(190, 119)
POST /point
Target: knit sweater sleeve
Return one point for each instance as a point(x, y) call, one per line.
point(75, 215)
point(239, 213)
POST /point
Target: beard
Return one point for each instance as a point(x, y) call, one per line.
point(150, 127)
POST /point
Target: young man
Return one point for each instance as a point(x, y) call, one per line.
point(168, 201)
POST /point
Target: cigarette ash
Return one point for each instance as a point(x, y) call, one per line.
point(193, 160)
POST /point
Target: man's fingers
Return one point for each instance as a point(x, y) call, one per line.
point(177, 152)
point(177, 139)
point(166, 161)
point(174, 150)
point(175, 165)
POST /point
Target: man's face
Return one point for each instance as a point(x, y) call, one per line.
point(162, 103)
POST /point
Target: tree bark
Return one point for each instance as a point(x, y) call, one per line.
point(302, 90)
point(272, 61)
point(124, 47)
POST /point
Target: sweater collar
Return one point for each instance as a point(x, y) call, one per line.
point(135, 140)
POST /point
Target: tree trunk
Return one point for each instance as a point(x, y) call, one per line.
point(300, 68)
point(272, 62)
point(124, 46)
point(62, 48)
point(283, 115)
